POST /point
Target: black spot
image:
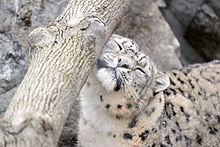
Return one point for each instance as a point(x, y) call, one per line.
point(218, 118)
point(129, 105)
point(173, 91)
point(114, 136)
point(144, 135)
point(178, 138)
point(172, 83)
point(116, 116)
point(173, 131)
point(181, 91)
point(107, 106)
point(166, 93)
point(82, 29)
point(167, 139)
point(154, 130)
point(213, 130)
point(181, 81)
point(101, 99)
point(127, 136)
point(119, 106)
point(162, 145)
point(207, 115)
point(187, 116)
point(148, 113)
point(136, 106)
point(155, 93)
point(132, 123)
point(199, 139)
point(192, 86)
point(177, 124)
point(191, 98)
point(182, 109)
point(153, 145)
point(164, 124)
point(188, 141)
point(185, 73)
point(169, 110)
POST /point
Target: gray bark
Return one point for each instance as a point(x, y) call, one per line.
point(62, 55)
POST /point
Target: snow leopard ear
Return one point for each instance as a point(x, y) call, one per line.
point(162, 81)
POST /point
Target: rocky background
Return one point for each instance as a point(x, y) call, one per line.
point(172, 32)
point(196, 25)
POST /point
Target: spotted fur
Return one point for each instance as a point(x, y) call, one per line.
point(127, 102)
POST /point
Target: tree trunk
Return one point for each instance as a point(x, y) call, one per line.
point(62, 55)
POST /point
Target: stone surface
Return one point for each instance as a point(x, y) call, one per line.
point(188, 54)
point(194, 23)
point(184, 10)
point(215, 4)
point(204, 35)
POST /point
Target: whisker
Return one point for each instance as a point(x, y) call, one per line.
point(134, 95)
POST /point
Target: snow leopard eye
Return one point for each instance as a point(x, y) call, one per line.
point(139, 69)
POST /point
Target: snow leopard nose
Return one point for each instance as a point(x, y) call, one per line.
point(122, 63)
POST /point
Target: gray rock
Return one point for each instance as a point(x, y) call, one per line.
point(195, 24)
point(184, 10)
point(215, 4)
point(188, 54)
point(204, 35)
point(12, 63)
point(160, 3)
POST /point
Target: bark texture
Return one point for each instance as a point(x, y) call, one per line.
point(62, 55)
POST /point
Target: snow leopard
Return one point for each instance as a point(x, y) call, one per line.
point(128, 102)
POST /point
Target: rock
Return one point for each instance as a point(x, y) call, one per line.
point(215, 4)
point(160, 3)
point(194, 23)
point(188, 54)
point(184, 10)
point(203, 33)
point(12, 63)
